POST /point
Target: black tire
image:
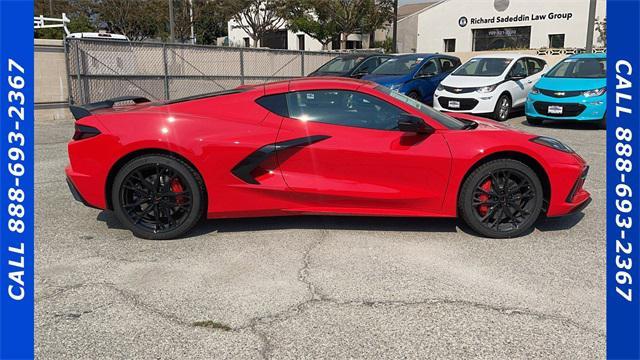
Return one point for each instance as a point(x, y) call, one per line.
point(512, 204)
point(503, 108)
point(158, 197)
point(534, 121)
point(414, 95)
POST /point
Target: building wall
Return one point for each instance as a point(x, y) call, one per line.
point(51, 91)
point(441, 21)
point(408, 34)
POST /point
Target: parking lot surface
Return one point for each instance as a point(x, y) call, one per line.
point(317, 287)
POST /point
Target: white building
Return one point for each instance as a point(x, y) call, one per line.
point(286, 39)
point(477, 25)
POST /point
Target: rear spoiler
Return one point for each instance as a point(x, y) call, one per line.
point(85, 110)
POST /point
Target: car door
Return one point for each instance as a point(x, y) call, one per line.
point(426, 80)
point(518, 83)
point(347, 156)
point(535, 68)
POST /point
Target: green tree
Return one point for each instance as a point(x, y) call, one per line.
point(136, 19)
point(313, 18)
point(255, 17)
point(353, 16)
point(210, 22)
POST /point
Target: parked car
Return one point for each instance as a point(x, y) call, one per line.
point(415, 75)
point(351, 65)
point(574, 89)
point(314, 146)
point(490, 84)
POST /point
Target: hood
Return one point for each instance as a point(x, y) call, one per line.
point(471, 81)
point(487, 124)
point(387, 80)
point(569, 84)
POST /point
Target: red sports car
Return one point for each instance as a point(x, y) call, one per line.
point(314, 146)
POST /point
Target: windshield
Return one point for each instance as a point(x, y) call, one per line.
point(398, 66)
point(340, 65)
point(446, 120)
point(483, 67)
point(580, 68)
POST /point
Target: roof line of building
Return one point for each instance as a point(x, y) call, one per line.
point(423, 9)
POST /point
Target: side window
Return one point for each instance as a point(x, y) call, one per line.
point(519, 67)
point(346, 108)
point(429, 69)
point(535, 65)
point(368, 65)
point(277, 104)
point(447, 65)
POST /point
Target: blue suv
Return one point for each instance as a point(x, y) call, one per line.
point(574, 89)
point(415, 75)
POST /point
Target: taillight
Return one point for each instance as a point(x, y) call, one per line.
point(85, 132)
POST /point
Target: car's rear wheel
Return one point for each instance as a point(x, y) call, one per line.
point(158, 197)
point(501, 199)
point(534, 121)
point(503, 108)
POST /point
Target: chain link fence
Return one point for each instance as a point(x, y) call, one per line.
point(101, 69)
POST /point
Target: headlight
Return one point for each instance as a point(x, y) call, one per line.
point(596, 92)
point(552, 143)
point(487, 89)
point(395, 87)
point(440, 87)
point(535, 91)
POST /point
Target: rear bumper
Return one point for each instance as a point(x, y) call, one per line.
point(81, 188)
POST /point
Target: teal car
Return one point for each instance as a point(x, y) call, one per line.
point(574, 89)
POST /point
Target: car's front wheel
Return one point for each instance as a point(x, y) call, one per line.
point(501, 199)
point(158, 196)
point(503, 108)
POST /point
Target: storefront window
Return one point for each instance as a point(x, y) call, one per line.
point(502, 38)
point(556, 41)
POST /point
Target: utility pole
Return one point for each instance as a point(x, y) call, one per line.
point(193, 36)
point(591, 24)
point(395, 26)
point(171, 22)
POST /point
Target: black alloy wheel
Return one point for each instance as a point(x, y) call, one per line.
point(158, 197)
point(501, 199)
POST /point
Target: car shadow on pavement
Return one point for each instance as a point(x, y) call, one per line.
point(356, 223)
point(565, 124)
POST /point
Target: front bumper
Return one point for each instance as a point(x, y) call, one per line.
point(574, 108)
point(569, 200)
point(471, 103)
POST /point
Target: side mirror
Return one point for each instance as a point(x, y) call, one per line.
point(411, 123)
point(424, 76)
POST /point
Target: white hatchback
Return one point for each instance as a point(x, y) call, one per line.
point(490, 84)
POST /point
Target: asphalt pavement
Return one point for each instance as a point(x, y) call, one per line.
point(317, 287)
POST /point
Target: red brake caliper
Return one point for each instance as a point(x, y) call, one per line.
point(486, 186)
point(176, 187)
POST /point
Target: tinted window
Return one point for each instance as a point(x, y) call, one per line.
point(535, 65)
point(277, 104)
point(340, 64)
point(483, 67)
point(431, 68)
point(520, 67)
point(447, 64)
point(579, 68)
point(446, 120)
point(369, 65)
point(346, 108)
point(398, 66)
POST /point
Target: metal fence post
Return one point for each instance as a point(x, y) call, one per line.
point(66, 64)
point(166, 72)
point(80, 87)
point(241, 66)
point(302, 63)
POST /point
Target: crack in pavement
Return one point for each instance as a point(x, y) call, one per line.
point(314, 296)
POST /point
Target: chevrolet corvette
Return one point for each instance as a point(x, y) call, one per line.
point(318, 146)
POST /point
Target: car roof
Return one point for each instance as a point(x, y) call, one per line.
point(506, 56)
point(589, 56)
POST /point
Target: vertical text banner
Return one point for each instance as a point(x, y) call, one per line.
point(623, 179)
point(16, 179)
